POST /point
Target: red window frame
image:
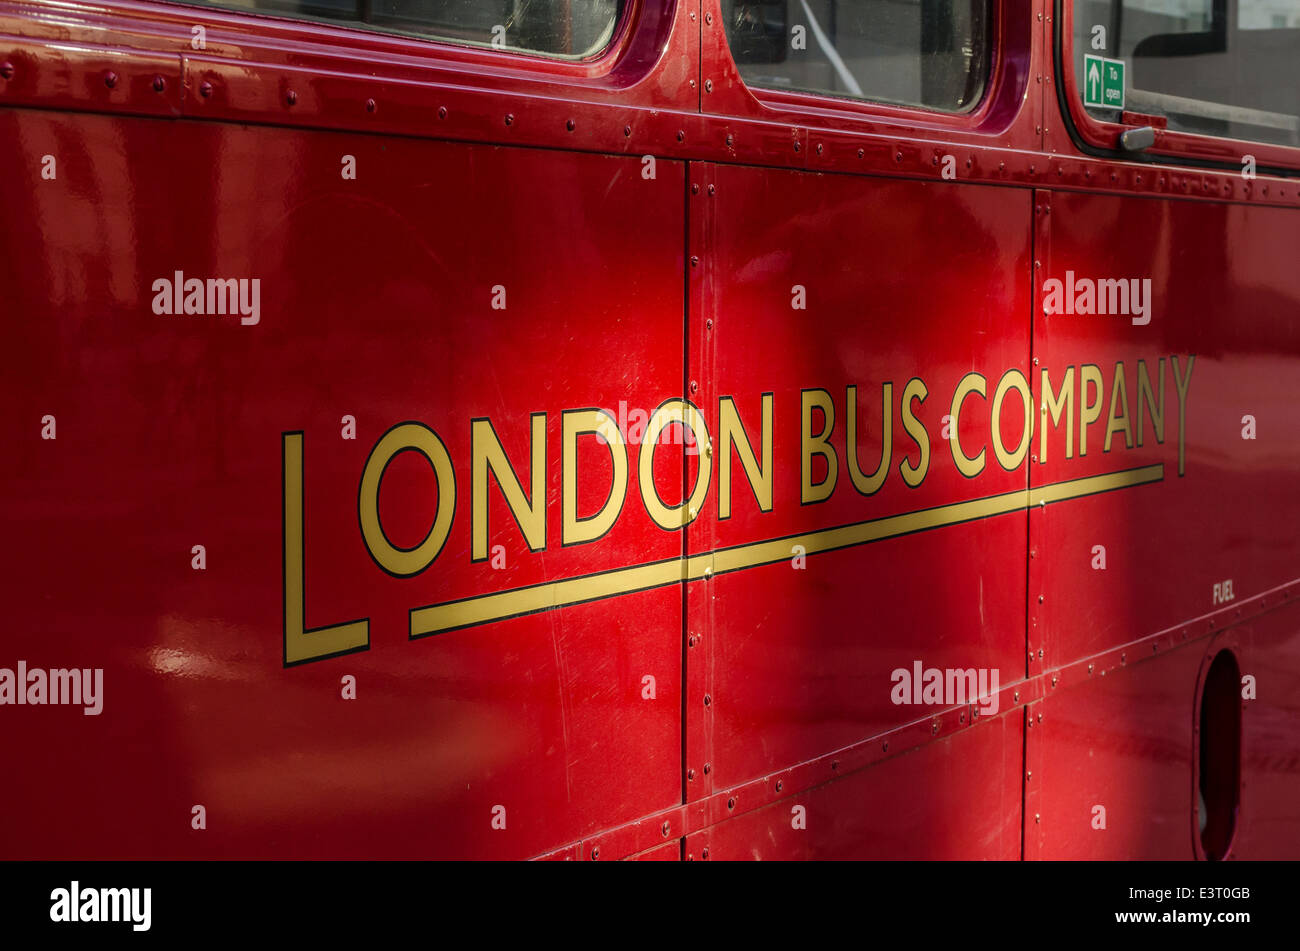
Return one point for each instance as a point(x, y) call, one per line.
point(1102, 137)
point(1012, 40)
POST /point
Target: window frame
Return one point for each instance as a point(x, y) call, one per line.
point(269, 23)
point(1100, 137)
point(995, 113)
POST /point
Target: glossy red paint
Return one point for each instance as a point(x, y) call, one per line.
point(621, 287)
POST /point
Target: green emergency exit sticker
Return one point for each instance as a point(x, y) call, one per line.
point(1103, 82)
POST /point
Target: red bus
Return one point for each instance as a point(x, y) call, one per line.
point(661, 429)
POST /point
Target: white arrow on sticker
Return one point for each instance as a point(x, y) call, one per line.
point(1092, 79)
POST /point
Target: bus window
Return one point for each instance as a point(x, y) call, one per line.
point(1214, 67)
point(928, 53)
point(568, 29)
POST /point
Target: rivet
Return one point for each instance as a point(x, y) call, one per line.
point(1029, 773)
point(861, 152)
point(1037, 817)
point(704, 853)
point(1040, 718)
point(695, 188)
point(708, 85)
point(1123, 658)
point(796, 146)
point(898, 156)
point(1040, 653)
point(835, 764)
point(708, 18)
point(708, 700)
point(1040, 599)
point(708, 324)
point(1053, 680)
point(779, 785)
point(730, 139)
point(708, 768)
point(1033, 169)
point(819, 151)
point(570, 124)
point(291, 97)
point(7, 70)
point(1015, 697)
point(1002, 166)
point(159, 84)
point(110, 79)
point(205, 90)
point(1090, 668)
point(934, 728)
point(690, 641)
point(690, 775)
point(510, 119)
point(681, 136)
point(665, 828)
point(731, 803)
point(627, 131)
point(695, 261)
point(595, 853)
point(695, 386)
point(884, 747)
point(712, 189)
point(371, 105)
point(442, 112)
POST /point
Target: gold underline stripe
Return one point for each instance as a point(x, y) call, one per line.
point(499, 605)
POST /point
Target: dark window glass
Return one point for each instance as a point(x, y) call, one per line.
point(1215, 67)
point(570, 29)
point(929, 53)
